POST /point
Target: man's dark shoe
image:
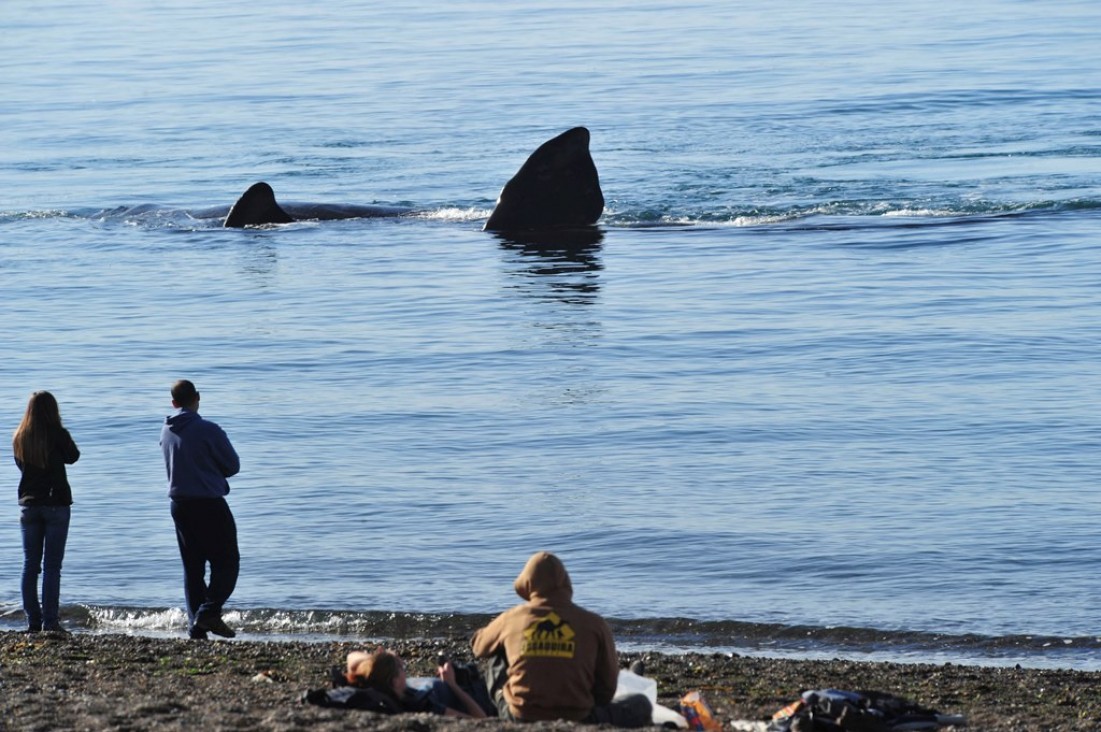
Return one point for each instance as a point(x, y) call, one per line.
point(215, 625)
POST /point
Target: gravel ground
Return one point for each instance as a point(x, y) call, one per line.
point(119, 682)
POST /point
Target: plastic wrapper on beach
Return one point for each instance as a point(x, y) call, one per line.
point(698, 712)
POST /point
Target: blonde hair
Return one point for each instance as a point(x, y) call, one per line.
point(377, 669)
point(31, 441)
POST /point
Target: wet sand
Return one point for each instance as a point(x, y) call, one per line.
point(120, 682)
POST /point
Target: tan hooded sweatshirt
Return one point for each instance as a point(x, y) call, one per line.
point(561, 658)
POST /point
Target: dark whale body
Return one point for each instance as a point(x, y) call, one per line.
point(556, 189)
point(257, 206)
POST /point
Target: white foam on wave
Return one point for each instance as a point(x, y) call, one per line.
point(255, 622)
point(135, 619)
point(919, 213)
point(454, 213)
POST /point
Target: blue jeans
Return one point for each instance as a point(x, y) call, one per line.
point(45, 531)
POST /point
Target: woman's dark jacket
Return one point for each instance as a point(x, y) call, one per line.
point(49, 486)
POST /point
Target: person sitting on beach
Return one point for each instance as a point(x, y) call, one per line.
point(381, 673)
point(551, 659)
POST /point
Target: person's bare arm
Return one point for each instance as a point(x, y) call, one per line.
point(447, 673)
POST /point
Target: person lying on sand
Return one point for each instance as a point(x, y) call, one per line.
point(381, 673)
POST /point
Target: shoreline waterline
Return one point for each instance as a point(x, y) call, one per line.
point(673, 636)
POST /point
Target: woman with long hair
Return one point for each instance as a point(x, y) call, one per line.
point(42, 448)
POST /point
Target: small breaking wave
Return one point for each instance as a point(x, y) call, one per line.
point(666, 635)
point(457, 214)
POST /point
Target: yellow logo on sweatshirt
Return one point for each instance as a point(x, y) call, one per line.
point(550, 637)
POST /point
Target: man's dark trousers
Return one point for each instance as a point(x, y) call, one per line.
point(206, 534)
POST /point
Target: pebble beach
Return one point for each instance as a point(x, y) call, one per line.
point(86, 681)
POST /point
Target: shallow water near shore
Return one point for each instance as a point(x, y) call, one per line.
point(825, 383)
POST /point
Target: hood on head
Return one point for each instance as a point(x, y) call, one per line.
point(544, 577)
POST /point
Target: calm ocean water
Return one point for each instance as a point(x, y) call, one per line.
point(828, 384)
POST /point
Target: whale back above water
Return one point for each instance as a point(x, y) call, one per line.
point(556, 188)
point(255, 207)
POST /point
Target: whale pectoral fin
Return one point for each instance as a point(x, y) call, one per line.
point(255, 207)
point(556, 188)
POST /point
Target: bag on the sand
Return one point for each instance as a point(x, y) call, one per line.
point(831, 710)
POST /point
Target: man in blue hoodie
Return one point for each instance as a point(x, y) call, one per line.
point(199, 457)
